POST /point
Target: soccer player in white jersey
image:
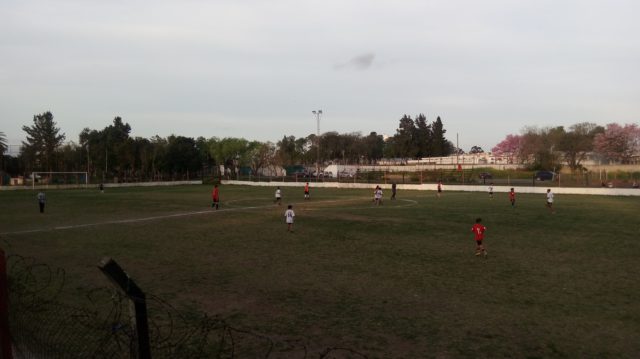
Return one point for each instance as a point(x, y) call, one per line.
point(378, 196)
point(550, 200)
point(289, 215)
point(278, 199)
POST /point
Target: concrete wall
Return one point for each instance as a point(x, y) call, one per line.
point(462, 188)
point(149, 184)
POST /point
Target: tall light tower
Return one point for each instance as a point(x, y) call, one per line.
point(318, 114)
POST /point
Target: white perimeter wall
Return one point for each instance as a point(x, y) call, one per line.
point(433, 187)
point(148, 184)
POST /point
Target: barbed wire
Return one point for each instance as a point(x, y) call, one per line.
point(44, 325)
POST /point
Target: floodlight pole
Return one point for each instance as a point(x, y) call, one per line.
point(317, 114)
point(88, 161)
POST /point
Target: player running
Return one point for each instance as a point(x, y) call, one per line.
point(377, 196)
point(478, 229)
point(278, 199)
point(512, 197)
point(550, 200)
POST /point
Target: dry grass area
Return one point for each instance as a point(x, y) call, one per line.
point(397, 280)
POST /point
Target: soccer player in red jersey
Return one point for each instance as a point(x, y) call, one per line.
point(512, 197)
point(306, 191)
point(478, 229)
point(215, 195)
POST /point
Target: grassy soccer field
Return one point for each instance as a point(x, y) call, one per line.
point(398, 280)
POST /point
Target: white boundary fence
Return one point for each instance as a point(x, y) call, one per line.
point(461, 188)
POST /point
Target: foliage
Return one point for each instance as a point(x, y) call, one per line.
point(509, 147)
point(618, 143)
point(42, 141)
point(261, 155)
point(111, 153)
point(182, 155)
point(577, 142)
point(418, 139)
point(538, 147)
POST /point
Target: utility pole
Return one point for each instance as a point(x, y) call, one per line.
point(317, 114)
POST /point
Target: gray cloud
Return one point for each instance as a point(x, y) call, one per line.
point(361, 62)
point(192, 67)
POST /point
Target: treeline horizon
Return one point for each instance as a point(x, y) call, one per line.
point(113, 152)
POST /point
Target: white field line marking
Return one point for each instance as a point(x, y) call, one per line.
point(131, 220)
point(185, 214)
point(304, 204)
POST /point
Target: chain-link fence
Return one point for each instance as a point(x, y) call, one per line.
point(99, 325)
point(467, 176)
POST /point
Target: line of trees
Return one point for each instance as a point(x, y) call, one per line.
point(550, 147)
point(113, 152)
point(418, 138)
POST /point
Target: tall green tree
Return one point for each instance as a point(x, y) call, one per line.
point(439, 144)
point(405, 140)
point(540, 147)
point(42, 142)
point(423, 136)
point(232, 152)
point(291, 151)
point(110, 150)
point(261, 155)
point(374, 145)
point(182, 156)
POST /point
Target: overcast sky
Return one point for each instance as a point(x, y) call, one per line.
point(256, 69)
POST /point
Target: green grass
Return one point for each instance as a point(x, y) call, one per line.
point(399, 280)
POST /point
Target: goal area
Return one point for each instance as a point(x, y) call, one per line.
point(60, 179)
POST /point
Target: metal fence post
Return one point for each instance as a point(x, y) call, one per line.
point(5, 336)
point(138, 305)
